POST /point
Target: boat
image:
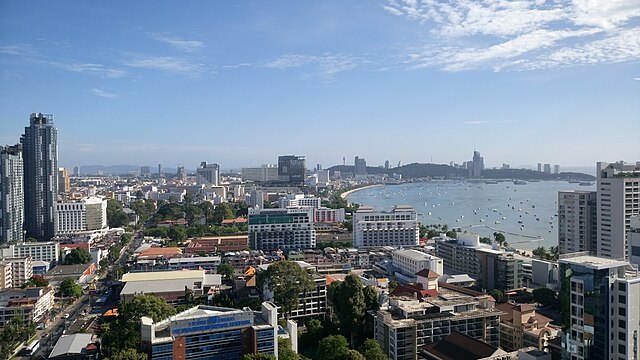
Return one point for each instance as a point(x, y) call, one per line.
point(586, 183)
point(573, 181)
point(492, 182)
point(519, 182)
point(497, 222)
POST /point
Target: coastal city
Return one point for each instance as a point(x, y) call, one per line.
point(278, 261)
point(320, 180)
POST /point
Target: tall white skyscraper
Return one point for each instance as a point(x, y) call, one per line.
point(477, 164)
point(618, 199)
point(11, 194)
point(40, 154)
point(208, 173)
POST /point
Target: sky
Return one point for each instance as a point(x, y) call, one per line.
point(241, 82)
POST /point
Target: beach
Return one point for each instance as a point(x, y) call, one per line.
point(347, 193)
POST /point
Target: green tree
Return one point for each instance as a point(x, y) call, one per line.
point(333, 347)
point(128, 354)
point(499, 238)
point(69, 288)
point(540, 252)
point(37, 281)
point(125, 238)
point(77, 256)
point(285, 352)
point(354, 355)
point(124, 332)
point(227, 271)
point(452, 234)
point(497, 295)
point(286, 280)
point(115, 214)
point(222, 212)
point(372, 350)
point(370, 298)
point(545, 297)
point(485, 240)
point(349, 304)
point(258, 357)
point(177, 233)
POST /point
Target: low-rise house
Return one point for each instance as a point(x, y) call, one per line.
point(31, 304)
point(521, 326)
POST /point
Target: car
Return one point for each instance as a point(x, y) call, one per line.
point(65, 316)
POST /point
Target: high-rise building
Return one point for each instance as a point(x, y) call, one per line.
point(618, 200)
point(381, 228)
point(386, 164)
point(64, 185)
point(145, 170)
point(556, 169)
point(603, 313)
point(208, 173)
point(40, 153)
point(76, 171)
point(477, 164)
point(11, 194)
point(292, 169)
point(159, 171)
point(181, 173)
point(577, 221)
point(633, 240)
point(267, 172)
point(360, 166)
point(547, 168)
point(539, 167)
point(284, 229)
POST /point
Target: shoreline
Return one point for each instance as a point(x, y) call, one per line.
point(347, 193)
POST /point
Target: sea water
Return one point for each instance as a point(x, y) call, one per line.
point(526, 214)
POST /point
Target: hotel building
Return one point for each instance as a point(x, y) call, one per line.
point(398, 227)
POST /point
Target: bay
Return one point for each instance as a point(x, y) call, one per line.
point(526, 214)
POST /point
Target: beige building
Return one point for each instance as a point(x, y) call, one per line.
point(6, 280)
point(521, 326)
point(398, 227)
point(80, 216)
point(577, 221)
point(21, 269)
point(63, 181)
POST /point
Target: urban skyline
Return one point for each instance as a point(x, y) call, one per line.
point(160, 89)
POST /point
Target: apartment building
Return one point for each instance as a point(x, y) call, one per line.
point(618, 199)
point(21, 269)
point(74, 217)
point(409, 262)
point(604, 316)
point(410, 324)
point(577, 221)
point(6, 278)
point(31, 304)
point(398, 227)
point(281, 229)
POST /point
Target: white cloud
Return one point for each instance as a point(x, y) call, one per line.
point(523, 34)
point(165, 63)
point(91, 69)
point(326, 65)
point(103, 93)
point(475, 122)
point(637, 79)
point(179, 43)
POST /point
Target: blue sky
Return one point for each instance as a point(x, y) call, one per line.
point(240, 82)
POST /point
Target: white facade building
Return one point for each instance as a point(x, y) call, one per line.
point(618, 200)
point(6, 279)
point(577, 221)
point(409, 262)
point(297, 200)
point(379, 228)
point(44, 251)
point(284, 229)
point(86, 215)
point(11, 194)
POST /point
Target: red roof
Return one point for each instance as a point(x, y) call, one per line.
point(413, 290)
point(239, 220)
point(429, 274)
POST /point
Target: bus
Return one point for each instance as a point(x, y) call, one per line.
point(32, 348)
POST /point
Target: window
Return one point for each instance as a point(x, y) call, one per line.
point(622, 311)
point(622, 286)
point(622, 324)
point(622, 299)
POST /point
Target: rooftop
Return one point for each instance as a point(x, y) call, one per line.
point(71, 344)
point(163, 275)
point(593, 262)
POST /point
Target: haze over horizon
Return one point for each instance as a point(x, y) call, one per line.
point(241, 83)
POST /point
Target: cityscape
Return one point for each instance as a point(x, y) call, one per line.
point(223, 202)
